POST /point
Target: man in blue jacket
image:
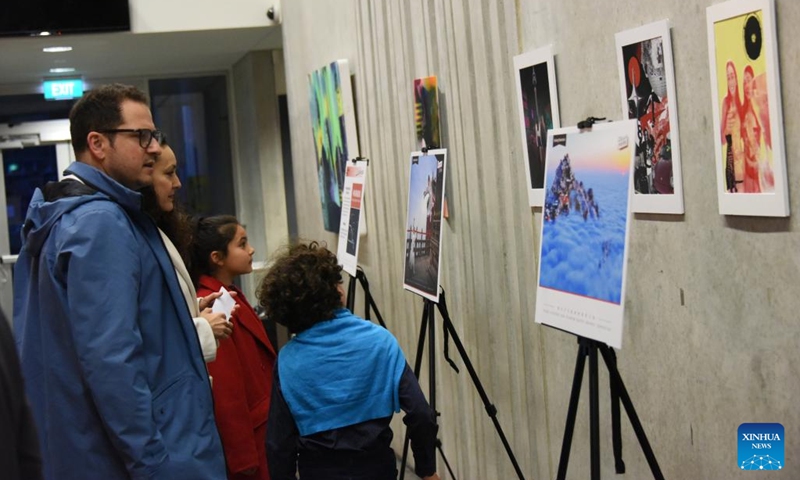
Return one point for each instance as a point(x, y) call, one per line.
point(111, 360)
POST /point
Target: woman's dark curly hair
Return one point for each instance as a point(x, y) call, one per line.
point(300, 288)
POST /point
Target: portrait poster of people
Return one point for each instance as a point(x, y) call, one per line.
point(426, 113)
point(586, 219)
point(424, 223)
point(350, 226)
point(748, 123)
point(537, 99)
point(333, 123)
point(644, 56)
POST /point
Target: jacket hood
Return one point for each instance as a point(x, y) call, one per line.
point(56, 199)
point(43, 214)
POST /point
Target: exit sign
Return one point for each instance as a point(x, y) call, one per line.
point(63, 89)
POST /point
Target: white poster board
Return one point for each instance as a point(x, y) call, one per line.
point(586, 220)
point(747, 111)
point(537, 101)
point(351, 224)
point(647, 89)
point(423, 246)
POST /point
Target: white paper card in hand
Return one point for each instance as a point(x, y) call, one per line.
point(224, 304)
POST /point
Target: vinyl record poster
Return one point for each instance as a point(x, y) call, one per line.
point(423, 246)
point(586, 220)
point(351, 225)
point(748, 122)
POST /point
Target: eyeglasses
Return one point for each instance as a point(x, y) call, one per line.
point(145, 135)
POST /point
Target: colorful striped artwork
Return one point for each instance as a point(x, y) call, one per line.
point(335, 137)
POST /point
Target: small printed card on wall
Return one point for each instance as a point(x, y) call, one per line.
point(748, 121)
point(537, 98)
point(647, 87)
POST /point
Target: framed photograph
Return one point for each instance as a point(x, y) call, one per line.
point(647, 88)
point(585, 227)
point(426, 113)
point(333, 123)
point(351, 225)
point(424, 223)
point(537, 98)
point(748, 120)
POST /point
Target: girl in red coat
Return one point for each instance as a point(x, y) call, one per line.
point(242, 372)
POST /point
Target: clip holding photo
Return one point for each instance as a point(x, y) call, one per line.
point(589, 122)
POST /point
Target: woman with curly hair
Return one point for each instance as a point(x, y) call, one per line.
point(242, 372)
point(338, 382)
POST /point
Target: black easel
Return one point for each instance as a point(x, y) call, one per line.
point(589, 348)
point(428, 324)
point(369, 301)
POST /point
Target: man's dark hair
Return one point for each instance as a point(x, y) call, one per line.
point(100, 109)
point(301, 288)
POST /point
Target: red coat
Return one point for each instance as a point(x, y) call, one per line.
point(242, 387)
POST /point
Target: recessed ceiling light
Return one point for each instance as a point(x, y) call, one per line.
point(56, 49)
point(62, 70)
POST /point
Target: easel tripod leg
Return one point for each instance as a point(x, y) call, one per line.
point(572, 411)
point(432, 359)
point(417, 367)
point(369, 301)
point(490, 408)
point(594, 412)
point(631, 411)
point(446, 463)
point(367, 295)
point(616, 434)
point(351, 294)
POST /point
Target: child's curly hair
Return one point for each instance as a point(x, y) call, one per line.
point(301, 287)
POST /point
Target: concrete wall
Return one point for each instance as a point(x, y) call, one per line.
point(258, 168)
point(711, 337)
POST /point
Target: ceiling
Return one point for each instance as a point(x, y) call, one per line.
point(23, 65)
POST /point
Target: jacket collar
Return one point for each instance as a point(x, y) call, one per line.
point(129, 199)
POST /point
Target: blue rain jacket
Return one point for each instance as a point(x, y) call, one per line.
point(110, 356)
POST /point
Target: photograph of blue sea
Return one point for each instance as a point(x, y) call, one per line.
point(583, 236)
